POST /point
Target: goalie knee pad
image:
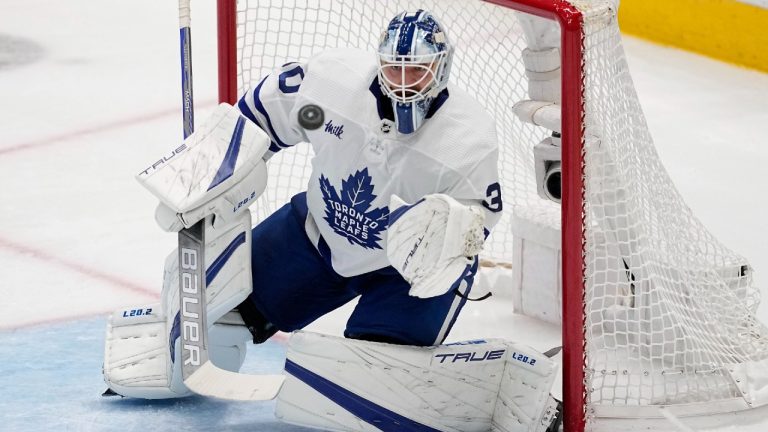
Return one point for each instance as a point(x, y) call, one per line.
point(140, 357)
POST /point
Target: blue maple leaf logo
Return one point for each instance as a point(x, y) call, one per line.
point(349, 214)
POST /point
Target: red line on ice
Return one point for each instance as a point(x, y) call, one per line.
point(53, 320)
point(72, 265)
point(77, 267)
point(125, 122)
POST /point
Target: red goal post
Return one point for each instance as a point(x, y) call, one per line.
point(572, 206)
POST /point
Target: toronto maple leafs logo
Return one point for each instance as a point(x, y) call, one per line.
point(350, 214)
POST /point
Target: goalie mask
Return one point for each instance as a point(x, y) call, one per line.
point(414, 63)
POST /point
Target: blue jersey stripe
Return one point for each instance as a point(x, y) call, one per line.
point(227, 167)
point(439, 100)
point(383, 103)
point(246, 110)
point(368, 411)
point(263, 111)
point(242, 105)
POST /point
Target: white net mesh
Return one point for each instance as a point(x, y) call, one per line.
point(669, 310)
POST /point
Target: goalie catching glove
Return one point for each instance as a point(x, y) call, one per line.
point(433, 242)
point(219, 170)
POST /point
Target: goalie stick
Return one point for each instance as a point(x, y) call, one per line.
point(200, 375)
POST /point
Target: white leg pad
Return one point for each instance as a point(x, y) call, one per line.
point(142, 342)
point(524, 403)
point(137, 354)
point(339, 384)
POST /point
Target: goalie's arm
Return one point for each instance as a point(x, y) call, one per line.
point(271, 104)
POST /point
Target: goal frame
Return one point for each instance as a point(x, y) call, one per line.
point(572, 205)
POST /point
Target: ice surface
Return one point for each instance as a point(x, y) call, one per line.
point(51, 380)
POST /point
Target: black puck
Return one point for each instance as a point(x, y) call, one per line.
point(311, 117)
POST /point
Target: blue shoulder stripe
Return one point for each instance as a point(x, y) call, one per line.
point(243, 106)
point(260, 108)
point(227, 167)
point(368, 411)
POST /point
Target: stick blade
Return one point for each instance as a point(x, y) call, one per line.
point(209, 380)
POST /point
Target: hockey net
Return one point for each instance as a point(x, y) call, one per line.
point(658, 312)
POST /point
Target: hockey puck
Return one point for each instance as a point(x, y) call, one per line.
point(311, 117)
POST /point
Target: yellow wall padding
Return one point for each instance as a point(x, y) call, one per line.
point(724, 29)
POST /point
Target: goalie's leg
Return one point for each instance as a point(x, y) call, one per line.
point(387, 313)
point(293, 284)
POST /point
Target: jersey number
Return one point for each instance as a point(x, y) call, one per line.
point(290, 73)
point(493, 200)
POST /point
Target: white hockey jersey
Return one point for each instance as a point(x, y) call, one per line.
point(360, 158)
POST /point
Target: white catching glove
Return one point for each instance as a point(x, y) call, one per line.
point(218, 170)
point(227, 207)
point(432, 242)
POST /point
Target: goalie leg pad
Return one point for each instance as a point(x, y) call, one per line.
point(524, 401)
point(350, 385)
point(137, 357)
point(227, 269)
point(141, 344)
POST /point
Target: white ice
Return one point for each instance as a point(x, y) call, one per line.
point(78, 240)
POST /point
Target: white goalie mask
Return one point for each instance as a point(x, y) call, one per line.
point(414, 64)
